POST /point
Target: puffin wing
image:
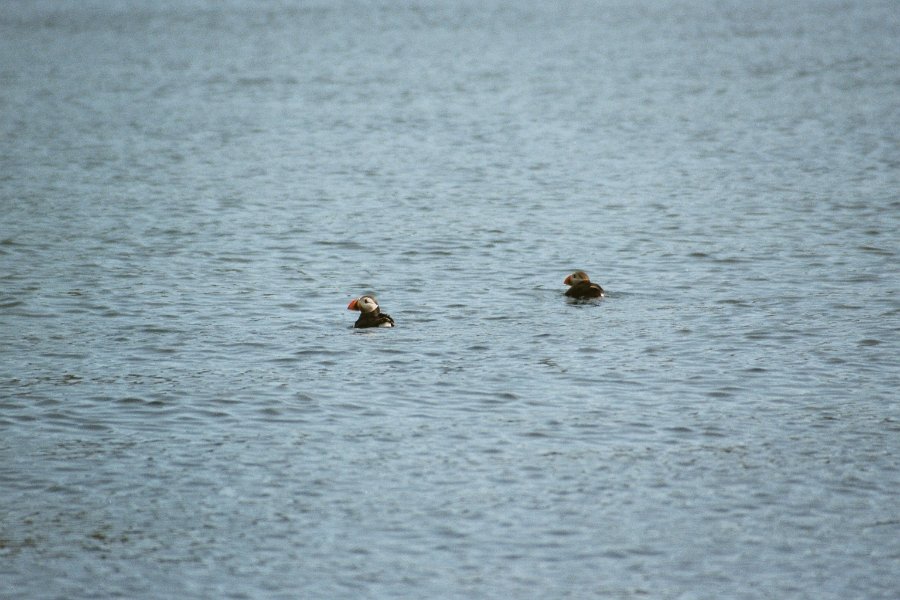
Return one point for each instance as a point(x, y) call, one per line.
point(585, 289)
point(370, 320)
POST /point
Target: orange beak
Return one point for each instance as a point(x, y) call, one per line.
point(353, 305)
point(568, 280)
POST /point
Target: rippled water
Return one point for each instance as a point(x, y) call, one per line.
point(193, 192)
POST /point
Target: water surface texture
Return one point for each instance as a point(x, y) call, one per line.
point(192, 192)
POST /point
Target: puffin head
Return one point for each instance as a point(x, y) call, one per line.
point(576, 277)
point(364, 304)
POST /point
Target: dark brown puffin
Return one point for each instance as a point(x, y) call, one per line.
point(582, 287)
point(370, 315)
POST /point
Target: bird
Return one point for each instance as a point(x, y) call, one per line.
point(582, 287)
point(370, 314)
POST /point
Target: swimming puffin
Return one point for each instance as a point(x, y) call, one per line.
point(582, 286)
point(370, 314)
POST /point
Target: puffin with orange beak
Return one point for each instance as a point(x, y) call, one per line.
point(581, 286)
point(370, 314)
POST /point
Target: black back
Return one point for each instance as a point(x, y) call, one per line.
point(585, 289)
point(373, 319)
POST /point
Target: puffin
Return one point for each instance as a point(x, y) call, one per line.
point(582, 287)
point(370, 315)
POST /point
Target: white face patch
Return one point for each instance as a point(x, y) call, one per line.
point(366, 304)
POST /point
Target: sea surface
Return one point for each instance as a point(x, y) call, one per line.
point(191, 192)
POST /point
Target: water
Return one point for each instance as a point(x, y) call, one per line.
point(192, 193)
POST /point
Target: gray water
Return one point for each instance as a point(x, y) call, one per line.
point(192, 192)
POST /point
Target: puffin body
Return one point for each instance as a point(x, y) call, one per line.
point(582, 286)
point(369, 313)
